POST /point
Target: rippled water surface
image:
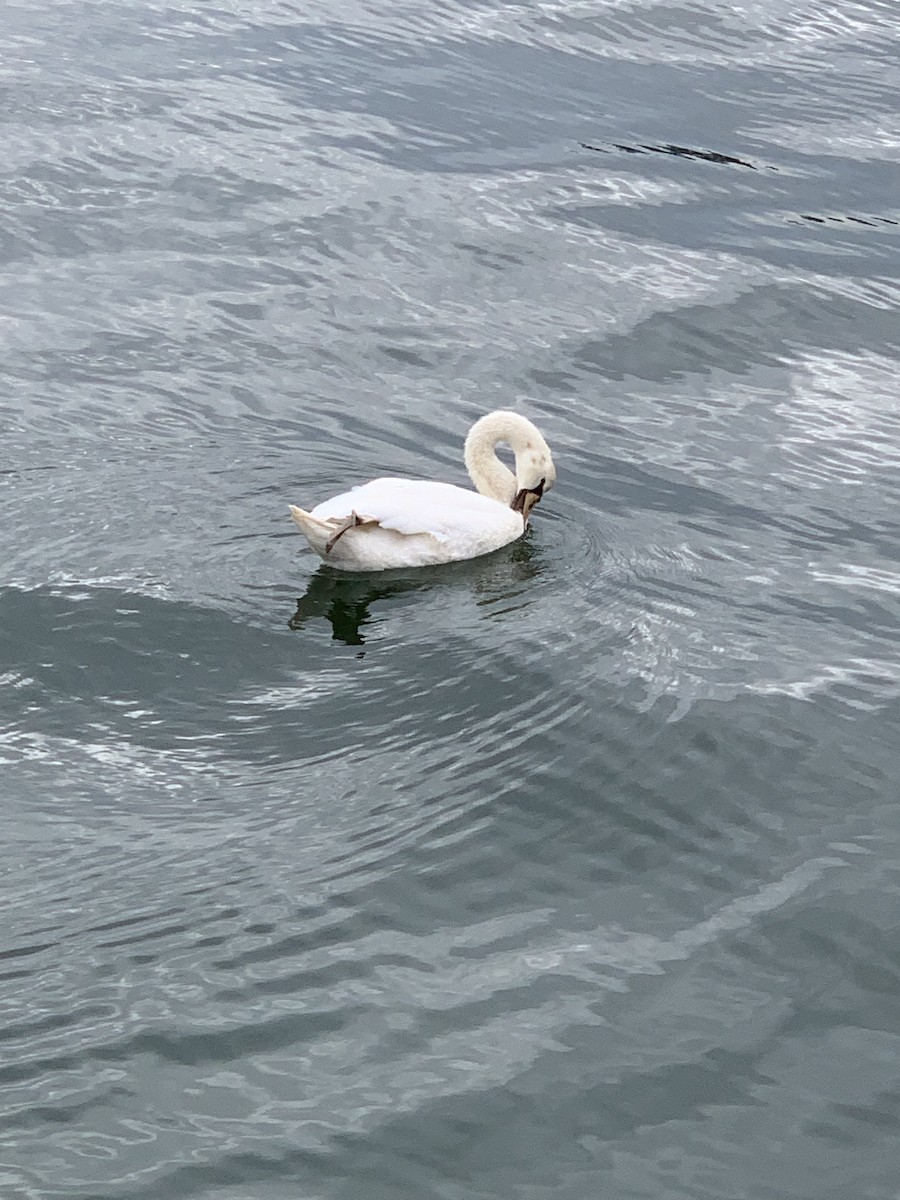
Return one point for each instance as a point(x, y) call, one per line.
point(571, 871)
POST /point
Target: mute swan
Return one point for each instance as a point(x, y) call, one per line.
point(411, 523)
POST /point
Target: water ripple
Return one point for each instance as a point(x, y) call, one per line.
point(574, 863)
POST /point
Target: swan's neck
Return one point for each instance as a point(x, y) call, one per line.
point(490, 476)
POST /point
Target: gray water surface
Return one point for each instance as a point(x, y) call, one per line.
point(568, 872)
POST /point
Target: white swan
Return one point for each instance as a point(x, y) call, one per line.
point(412, 523)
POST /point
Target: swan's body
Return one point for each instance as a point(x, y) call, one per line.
point(412, 523)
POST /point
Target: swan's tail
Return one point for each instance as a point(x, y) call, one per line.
point(316, 531)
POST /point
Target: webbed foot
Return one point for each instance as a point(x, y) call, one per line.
point(348, 523)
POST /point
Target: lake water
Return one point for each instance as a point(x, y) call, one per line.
point(570, 872)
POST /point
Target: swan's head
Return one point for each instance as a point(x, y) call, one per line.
point(535, 475)
point(535, 472)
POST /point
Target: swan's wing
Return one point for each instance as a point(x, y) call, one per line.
point(412, 506)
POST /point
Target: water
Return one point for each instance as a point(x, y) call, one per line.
point(567, 872)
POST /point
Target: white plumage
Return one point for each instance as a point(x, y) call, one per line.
point(411, 523)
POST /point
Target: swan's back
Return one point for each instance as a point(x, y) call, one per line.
point(418, 506)
point(407, 523)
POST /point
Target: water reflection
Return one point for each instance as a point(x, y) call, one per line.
point(345, 599)
point(691, 152)
point(874, 222)
point(497, 581)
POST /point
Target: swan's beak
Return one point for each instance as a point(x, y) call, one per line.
point(526, 499)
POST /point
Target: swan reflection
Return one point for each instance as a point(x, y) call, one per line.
point(498, 582)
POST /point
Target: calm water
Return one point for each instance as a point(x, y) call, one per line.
point(571, 872)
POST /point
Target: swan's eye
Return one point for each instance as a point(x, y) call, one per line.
point(539, 490)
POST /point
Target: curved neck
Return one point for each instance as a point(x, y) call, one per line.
point(490, 476)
